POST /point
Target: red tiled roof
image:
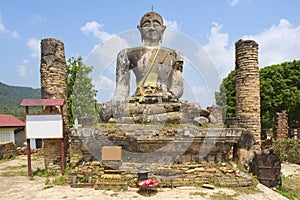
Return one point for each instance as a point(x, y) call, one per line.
point(10, 121)
point(42, 102)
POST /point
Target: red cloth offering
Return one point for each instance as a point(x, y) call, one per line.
point(148, 183)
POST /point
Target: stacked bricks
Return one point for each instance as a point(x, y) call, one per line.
point(280, 125)
point(7, 150)
point(248, 87)
point(54, 86)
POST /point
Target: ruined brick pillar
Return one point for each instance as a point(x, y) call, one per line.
point(54, 86)
point(248, 95)
point(280, 125)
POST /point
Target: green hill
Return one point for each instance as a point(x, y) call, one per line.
point(11, 97)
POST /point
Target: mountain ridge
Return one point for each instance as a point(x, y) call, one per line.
point(11, 97)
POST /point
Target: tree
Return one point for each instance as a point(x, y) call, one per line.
point(279, 90)
point(82, 101)
point(226, 96)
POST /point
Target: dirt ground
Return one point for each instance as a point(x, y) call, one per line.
point(15, 185)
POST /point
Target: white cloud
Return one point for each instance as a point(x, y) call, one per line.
point(277, 44)
point(234, 2)
point(14, 34)
point(172, 25)
point(218, 48)
point(94, 28)
point(34, 46)
point(105, 88)
point(4, 30)
point(37, 19)
point(106, 83)
point(22, 70)
point(104, 54)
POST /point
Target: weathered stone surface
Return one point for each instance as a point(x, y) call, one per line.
point(8, 150)
point(248, 87)
point(280, 125)
point(247, 99)
point(176, 176)
point(164, 112)
point(54, 86)
point(201, 121)
point(216, 115)
point(160, 144)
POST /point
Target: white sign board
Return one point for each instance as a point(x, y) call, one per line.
point(44, 126)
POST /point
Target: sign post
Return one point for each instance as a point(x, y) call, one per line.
point(45, 126)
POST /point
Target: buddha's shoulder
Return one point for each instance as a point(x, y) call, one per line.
point(143, 49)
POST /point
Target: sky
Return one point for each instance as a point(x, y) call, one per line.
point(205, 33)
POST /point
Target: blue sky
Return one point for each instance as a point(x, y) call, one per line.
point(97, 30)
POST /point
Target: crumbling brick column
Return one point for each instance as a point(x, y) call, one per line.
point(54, 86)
point(248, 94)
point(280, 125)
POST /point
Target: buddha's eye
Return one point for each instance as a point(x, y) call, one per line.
point(156, 23)
point(146, 24)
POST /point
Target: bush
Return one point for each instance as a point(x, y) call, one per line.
point(287, 149)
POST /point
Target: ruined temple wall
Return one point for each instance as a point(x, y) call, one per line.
point(248, 87)
point(53, 71)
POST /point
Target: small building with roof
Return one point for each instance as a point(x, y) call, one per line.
point(9, 127)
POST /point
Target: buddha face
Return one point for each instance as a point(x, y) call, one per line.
point(151, 28)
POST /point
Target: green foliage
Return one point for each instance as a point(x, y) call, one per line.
point(11, 97)
point(226, 96)
point(44, 172)
point(290, 187)
point(47, 187)
point(15, 167)
point(60, 181)
point(288, 193)
point(287, 149)
point(13, 173)
point(81, 92)
point(279, 90)
point(83, 178)
point(47, 181)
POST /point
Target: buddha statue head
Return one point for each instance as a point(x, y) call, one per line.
point(151, 28)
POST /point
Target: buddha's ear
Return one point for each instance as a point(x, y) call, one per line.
point(140, 29)
point(162, 32)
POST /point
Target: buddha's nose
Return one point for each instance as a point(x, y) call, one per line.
point(151, 25)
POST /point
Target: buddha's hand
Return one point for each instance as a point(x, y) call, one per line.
point(118, 104)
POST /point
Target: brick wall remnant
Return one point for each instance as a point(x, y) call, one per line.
point(248, 91)
point(8, 150)
point(280, 125)
point(53, 71)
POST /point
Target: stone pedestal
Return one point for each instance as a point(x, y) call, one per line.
point(143, 143)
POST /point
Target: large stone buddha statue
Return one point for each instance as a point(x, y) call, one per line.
point(159, 81)
point(157, 69)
